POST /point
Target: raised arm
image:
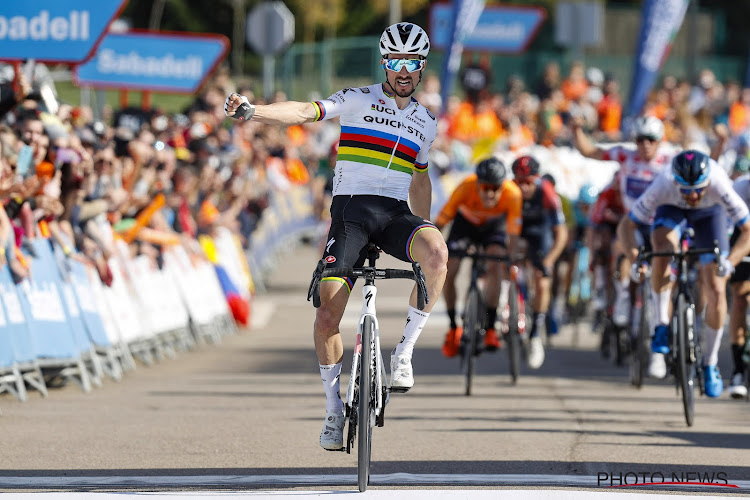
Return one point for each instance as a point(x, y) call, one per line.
point(583, 143)
point(279, 113)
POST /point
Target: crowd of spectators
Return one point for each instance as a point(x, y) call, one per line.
point(176, 176)
point(517, 114)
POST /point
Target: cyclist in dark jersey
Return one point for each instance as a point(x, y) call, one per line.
point(545, 234)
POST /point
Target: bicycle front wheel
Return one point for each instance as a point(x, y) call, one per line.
point(514, 336)
point(366, 408)
point(684, 366)
point(472, 325)
point(639, 353)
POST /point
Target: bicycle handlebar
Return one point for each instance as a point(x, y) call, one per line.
point(415, 274)
point(644, 256)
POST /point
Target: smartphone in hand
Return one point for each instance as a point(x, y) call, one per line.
point(25, 159)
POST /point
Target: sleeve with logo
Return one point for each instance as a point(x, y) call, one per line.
point(344, 102)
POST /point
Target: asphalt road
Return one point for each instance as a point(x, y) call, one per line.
point(248, 411)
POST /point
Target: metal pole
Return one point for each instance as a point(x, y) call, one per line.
point(394, 15)
point(238, 38)
point(268, 76)
point(692, 45)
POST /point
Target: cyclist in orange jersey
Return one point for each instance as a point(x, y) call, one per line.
point(486, 210)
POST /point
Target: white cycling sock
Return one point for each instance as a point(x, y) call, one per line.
point(415, 320)
point(331, 375)
point(622, 291)
point(661, 305)
point(713, 342)
point(504, 289)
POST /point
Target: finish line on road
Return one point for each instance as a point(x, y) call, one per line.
point(302, 480)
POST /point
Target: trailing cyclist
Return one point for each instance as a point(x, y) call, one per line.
point(607, 212)
point(697, 192)
point(382, 160)
point(486, 210)
point(545, 235)
point(739, 285)
point(639, 166)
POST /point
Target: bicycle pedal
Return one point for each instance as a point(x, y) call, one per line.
point(399, 390)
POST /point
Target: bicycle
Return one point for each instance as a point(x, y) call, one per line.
point(640, 350)
point(367, 393)
point(579, 295)
point(474, 316)
point(684, 338)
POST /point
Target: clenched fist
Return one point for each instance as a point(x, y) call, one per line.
point(238, 107)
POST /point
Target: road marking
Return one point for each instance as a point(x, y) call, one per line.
point(370, 494)
point(397, 479)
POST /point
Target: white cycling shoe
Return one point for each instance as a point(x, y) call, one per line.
point(657, 366)
point(737, 389)
point(536, 353)
point(402, 375)
point(332, 435)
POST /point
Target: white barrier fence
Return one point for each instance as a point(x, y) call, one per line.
point(63, 323)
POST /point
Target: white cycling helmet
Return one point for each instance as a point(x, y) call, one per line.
point(404, 38)
point(649, 126)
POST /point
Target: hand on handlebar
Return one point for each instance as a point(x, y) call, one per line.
point(637, 271)
point(726, 268)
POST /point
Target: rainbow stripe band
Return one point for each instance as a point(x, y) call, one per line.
point(379, 148)
point(320, 110)
point(345, 281)
point(413, 236)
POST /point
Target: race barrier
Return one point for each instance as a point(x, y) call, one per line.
point(62, 323)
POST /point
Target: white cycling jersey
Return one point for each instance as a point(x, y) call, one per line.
point(636, 174)
point(742, 186)
point(664, 191)
point(381, 146)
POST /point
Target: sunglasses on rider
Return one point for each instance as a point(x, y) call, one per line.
point(410, 64)
point(689, 191)
point(643, 138)
point(488, 187)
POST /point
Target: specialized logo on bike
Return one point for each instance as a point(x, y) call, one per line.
point(330, 259)
point(368, 297)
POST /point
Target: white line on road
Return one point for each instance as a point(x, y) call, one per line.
point(302, 480)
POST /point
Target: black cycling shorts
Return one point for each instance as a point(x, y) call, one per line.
point(463, 233)
point(360, 219)
point(742, 270)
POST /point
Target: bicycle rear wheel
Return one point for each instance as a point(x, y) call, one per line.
point(472, 325)
point(366, 408)
point(685, 369)
point(514, 336)
point(639, 354)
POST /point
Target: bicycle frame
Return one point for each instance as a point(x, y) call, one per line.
point(369, 295)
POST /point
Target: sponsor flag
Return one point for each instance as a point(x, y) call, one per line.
point(465, 16)
point(660, 21)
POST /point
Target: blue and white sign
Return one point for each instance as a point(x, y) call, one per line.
point(499, 28)
point(54, 31)
point(660, 22)
point(149, 60)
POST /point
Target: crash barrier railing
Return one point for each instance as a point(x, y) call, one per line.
point(62, 323)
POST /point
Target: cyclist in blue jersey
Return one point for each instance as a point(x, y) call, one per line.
point(386, 136)
point(697, 191)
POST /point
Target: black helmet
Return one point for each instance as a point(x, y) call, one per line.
point(491, 171)
point(691, 168)
point(525, 166)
